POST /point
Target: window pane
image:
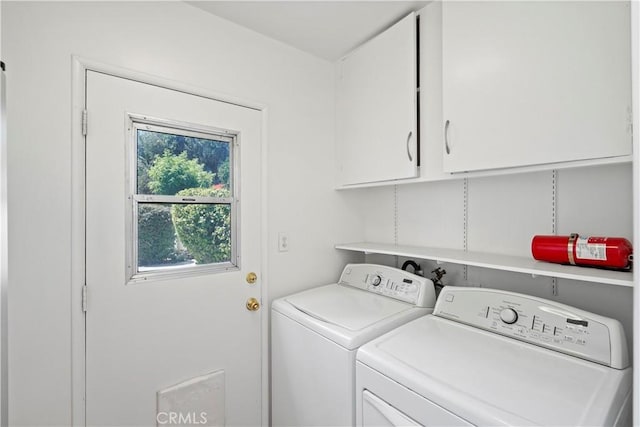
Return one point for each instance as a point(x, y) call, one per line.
point(181, 235)
point(168, 164)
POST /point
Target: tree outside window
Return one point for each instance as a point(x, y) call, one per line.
point(183, 201)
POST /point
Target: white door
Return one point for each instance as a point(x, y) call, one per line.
point(376, 104)
point(530, 83)
point(170, 338)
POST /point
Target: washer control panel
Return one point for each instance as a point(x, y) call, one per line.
point(537, 321)
point(390, 282)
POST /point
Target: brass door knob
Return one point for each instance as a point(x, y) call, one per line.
point(251, 278)
point(253, 304)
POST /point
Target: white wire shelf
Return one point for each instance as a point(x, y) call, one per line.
point(516, 264)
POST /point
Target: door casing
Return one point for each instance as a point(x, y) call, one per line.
point(78, 342)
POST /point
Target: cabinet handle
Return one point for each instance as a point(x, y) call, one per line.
point(408, 150)
point(446, 137)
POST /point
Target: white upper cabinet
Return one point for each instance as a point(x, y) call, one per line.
point(532, 83)
point(376, 107)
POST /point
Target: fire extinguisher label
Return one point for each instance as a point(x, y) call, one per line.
point(586, 250)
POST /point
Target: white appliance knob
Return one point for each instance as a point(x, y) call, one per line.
point(509, 316)
point(376, 280)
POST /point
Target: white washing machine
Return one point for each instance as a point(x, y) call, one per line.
point(495, 358)
point(315, 335)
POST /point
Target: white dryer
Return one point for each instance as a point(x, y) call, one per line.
point(315, 335)
point(496, 358)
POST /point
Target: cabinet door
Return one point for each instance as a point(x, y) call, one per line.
point(376, 108)
point(529, 83)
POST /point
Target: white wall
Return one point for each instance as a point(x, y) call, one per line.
point(175, 41)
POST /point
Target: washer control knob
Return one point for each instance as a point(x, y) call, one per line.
point(509, 316)
point(376, 280)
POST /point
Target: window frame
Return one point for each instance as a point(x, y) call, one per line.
point(133, 199)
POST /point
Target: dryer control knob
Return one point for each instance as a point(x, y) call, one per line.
point(376, 280)
point(509, 316)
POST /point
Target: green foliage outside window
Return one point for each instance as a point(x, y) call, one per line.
point(156, 236)
point(213, 155)
point(205, 230)
point(183, 166)
point(170, 174)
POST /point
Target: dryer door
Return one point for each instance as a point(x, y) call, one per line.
point(377, 412)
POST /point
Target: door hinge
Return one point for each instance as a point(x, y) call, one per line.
point(84, 298)
point(84, 122)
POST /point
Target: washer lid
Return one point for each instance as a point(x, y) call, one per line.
point(347, 308)
point(347, 316)
point(488, 379)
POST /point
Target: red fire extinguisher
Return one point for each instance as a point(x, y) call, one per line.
point(608, 252)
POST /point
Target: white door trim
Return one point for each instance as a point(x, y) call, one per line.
point(78, 338)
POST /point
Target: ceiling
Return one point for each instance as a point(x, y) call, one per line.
point(326, 29)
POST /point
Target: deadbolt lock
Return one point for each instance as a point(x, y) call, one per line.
point(253, 304)
point(251, 278)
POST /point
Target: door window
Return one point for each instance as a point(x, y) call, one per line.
point(182, 199)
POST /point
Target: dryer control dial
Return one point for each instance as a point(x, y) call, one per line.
point(509, 316)
point(376, 280)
